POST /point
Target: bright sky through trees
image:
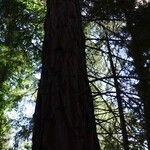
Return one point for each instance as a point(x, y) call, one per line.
point(116, 31)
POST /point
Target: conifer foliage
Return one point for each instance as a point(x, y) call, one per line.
point(95, 58)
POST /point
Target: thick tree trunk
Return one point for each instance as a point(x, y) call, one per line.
point(64, 116)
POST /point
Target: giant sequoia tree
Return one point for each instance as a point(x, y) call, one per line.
point(64, 116)
point(118, 62)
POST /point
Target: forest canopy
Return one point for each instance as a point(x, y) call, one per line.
point(117, 47)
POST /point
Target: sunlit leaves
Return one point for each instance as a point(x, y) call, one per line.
point(21, 35)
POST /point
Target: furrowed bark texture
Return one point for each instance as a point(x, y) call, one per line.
point(64, 116)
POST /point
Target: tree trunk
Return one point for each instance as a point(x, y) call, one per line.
point(119, 98)
point(138, 48)
point(64, 116)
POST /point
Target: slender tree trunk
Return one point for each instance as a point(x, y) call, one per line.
point(143, 88)
point(119, 99)
point(64, 116)
point(136, 49)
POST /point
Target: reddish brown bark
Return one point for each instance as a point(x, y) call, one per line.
point(64, 116)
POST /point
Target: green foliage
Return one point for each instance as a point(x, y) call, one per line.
point(21, 35)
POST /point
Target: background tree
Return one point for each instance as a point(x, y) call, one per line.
point(20, 35)
point(119, 38)
point(20, 63)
